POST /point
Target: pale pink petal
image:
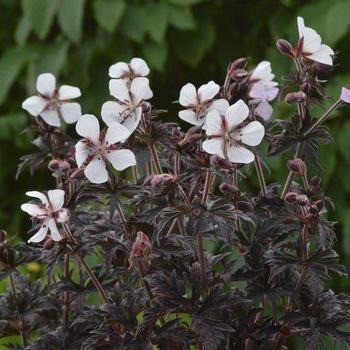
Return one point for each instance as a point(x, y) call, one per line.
point(46, 84)
point(260, 91)
point(34, 105)
point(51, 117)
point(116, 133)
point(190, 116)
point(118, 69)
point(252, 134)
point(323, 55)
point(208, 91)
point(219, 105)
point(239, 154)
point(67, 92)
point(118, 88)
point(301, 26)
point(81, 153)
point(56, 198)
point(262, 72)
point(33, 209)
point(121, 159)
point(236, 114)
point(311, 40)
point(96, 171)
point(140, 90)
point(214, 124)
point(264, 110)
point(39, 195)
point(139, 67)
point(214, 146)
point(188, 95)
point(111, 112)
point(89, 127)
point(70, 111)
point(40, 235)
point(55, 235)
point(345, 95)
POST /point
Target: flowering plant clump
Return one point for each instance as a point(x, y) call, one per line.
point(153, 237)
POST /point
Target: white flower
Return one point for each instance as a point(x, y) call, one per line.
point(199, 103)
point(311, 45)
point(127, 109)
point(136, 68)
point(262, 89)
point(227, 137)
point(52, 104)
point(49, 212)
point(96, 148)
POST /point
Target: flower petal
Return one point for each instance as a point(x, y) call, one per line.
point(236, 114)
point(121, 159)
point(116, 133)
point(190, 116)
point(51, 117)
point(118, 69)
point(214, 146)
point(264, 110)
point(140, 89)
point(262, 72)
point(139, 67)
point(40, 235)
point(33, 209)
point(311, 40)
point(70, 111)
point(239, 154)
point(260, 91)
point(56, 198)
point(208, 91)
point(118, 88)
point(55, 235)
point(81, 153)
point(96, 171)
point(345, 95)
point(34, 105)
point(214, 124)
point(323, 55)
point(39, 195)
point(46, 84)
point(220, 105)
point(188, 95)
point(252, 134)
point(89, 127)
point(67, 92)
point(111, 112)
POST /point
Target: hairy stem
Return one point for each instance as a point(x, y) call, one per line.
point(66, 297)
point(260, 173)
point(14, 297)
point(155, 157)
point(200, 250)
point(207, 187)
point(123, 220)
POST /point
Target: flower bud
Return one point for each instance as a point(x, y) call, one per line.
point(319, 204)
point(156, 180)
point(229, 187)
point(49, 244)
point(221, 162)
point(291, 197)
point(239, 63)
point(295, 97)
point(315, 182)
point(298, 166)
point(193, 134)
point(140, 248)
point(77, 174)
point(146, 107)
point(285, 47)
point(59, 164)
point(302, 200)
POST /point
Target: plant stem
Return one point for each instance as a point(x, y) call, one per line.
point(66, 302)
point(123, 220)
point(260, 173)
point(325, 116)
point(14, 297)
point(94, 279)
point(207, 188)
point(155, 157)
point(200, 250)
point(290, 175)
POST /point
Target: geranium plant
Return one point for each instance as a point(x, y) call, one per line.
point(151, 238)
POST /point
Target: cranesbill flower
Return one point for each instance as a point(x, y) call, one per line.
point(311, 46)
point(199, 103)
point(262, 89)
point(96, 149)
point(51, 104)
point(127, 109)
point(228, 138)
point(136, 68)
point(345, 95)
point(49, 212)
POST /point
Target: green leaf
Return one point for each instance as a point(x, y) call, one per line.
point(11, 63)
point(22, 30)
point(191, 46)
point(108, 13)
point(337, 22)
point(155, 54)
point(184, 2)
point(11, 125)
point(344, 141)
point(40, 15)
point(157, 21)
point(53, 58)
point(181, 17)
point(134, 22)
point(70, 18)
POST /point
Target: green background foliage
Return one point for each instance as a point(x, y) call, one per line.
point(183, 41)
